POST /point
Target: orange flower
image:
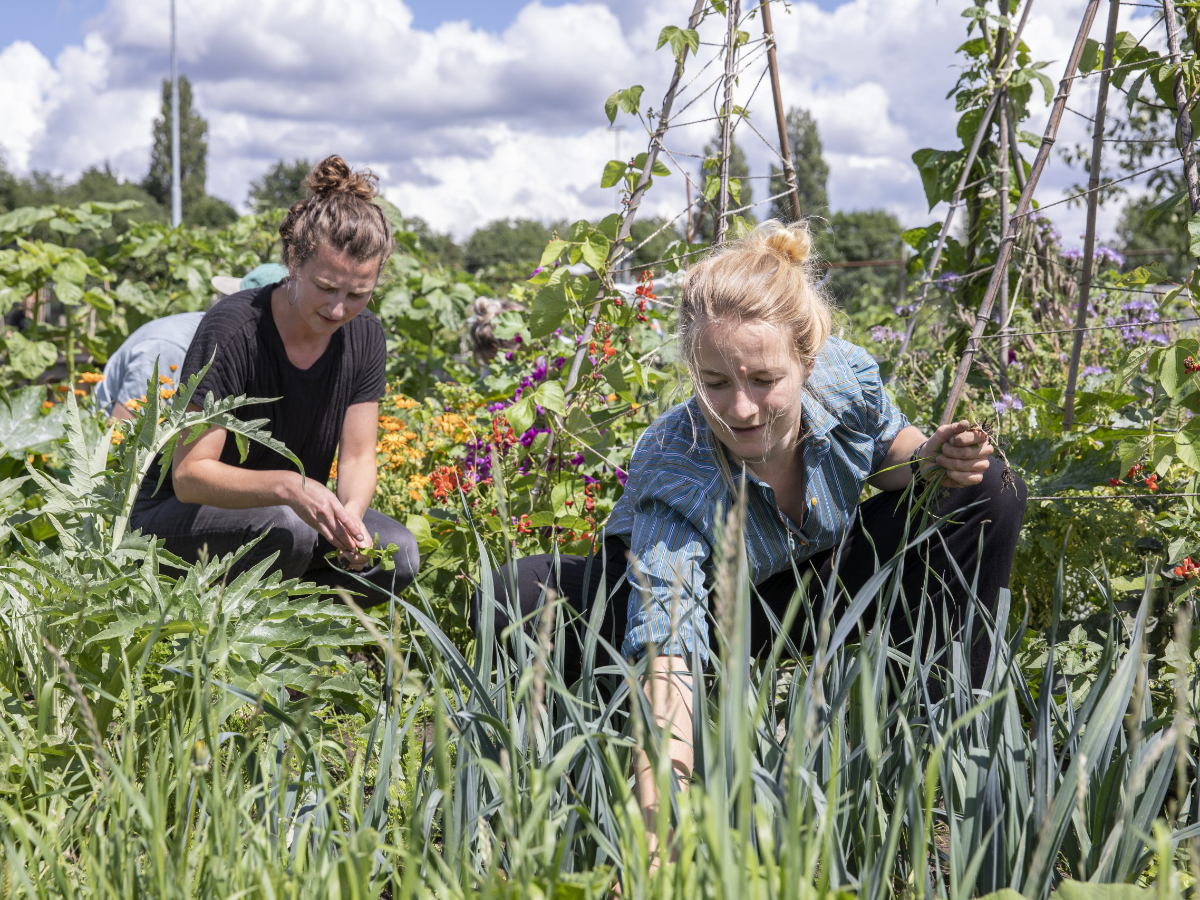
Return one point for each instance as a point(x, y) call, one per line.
point(80, 393)
point(173, 367)
point(333, 470)
point(117, 436)
point(47, 404)
point(91, 378)
point(166, 393)
point(165, 379)
point(62, 388)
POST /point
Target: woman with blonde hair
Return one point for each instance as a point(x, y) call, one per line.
point(799, 420)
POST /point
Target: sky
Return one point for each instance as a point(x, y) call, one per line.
point(474, 110)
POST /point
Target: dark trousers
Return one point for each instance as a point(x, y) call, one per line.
point(189, 528)
point(986, 509)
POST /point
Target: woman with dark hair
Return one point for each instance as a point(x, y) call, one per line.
point(309, 342)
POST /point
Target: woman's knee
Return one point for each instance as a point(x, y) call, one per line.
point(285, 533)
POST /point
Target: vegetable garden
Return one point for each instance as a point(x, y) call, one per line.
point(167, 731)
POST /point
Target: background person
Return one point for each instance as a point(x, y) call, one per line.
point(807, 415)
point(310, 342)
point(165, 341)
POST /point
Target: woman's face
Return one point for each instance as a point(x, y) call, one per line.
point(331, 288)
point(750, 384)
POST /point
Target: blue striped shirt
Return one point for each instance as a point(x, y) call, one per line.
point(671, 512)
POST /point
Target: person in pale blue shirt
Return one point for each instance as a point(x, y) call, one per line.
point(164, 341)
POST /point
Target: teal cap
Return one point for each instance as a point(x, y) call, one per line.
point(267, 273)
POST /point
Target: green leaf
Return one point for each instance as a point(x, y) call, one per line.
point(243, 446)
point(611, 105)
point(549, 395)
point(712, 187)
point(614, 374)
point(23, 427)
point(553, 251)
point(1079, 890)
point(549, 309)
point(23, 219)
point(1173, 376)
point(521, 415)
point(1193, 231)
point(631, 98)
point(1155, 273)
point(614, 171)
point(29, 359)
point(595, 251)
point(1091, 56)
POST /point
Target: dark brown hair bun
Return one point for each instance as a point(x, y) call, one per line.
point(333, 175)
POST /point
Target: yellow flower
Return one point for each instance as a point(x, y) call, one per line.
point(134, 405)
point(80, 393)
point(47, 404)
point(165, 379)
point(611, 398)
point(117, 436)
point(173, 367)
point(166, 393)
point(91, 378)
point(402, 402)
point(333, 470)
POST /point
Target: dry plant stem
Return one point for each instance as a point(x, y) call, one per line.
point(1183, 129)
point(731, 47)
point(1093, 202)
point(785, 152)
point(614, 254)
point(1006, 245)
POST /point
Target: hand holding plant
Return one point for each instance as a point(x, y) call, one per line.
point(962, 450)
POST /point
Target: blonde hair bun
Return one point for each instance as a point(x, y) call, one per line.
point(792, 243)
point(333, 175)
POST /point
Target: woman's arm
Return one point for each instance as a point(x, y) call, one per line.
point(668, 687)
point(963, 453)
point(357, 469)
point(199, 476)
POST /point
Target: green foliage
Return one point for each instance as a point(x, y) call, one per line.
point(808, 163)
point(279, 186)
point(193, 151)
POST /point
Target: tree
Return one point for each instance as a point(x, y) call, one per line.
point(438, 249)
point(656, 247)
point(280, 186)
point(703, 225)
point(1141, 230)
point(869, 234)
point(193, 151)
point(812, 172)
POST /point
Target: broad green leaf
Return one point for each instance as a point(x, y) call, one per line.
point(24, 427)
point(553, 251)
point(595, 251)
point(521, 415)
point(29, 359)
point(614, 171)
point(1193, 229)
point(1091, 56)
point(24, 218)
point(611, 106)
point(631, 98)
point(1173, 376)
point(549, 309)
point(549, 395)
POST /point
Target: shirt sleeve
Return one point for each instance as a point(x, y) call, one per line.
point(371, 382)
point(881, 419)
point(666, 578)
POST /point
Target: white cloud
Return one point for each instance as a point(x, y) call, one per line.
point(465, 126)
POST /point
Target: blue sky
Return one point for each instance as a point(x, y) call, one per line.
point(52, 24)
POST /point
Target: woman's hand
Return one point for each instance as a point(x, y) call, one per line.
point(962, 452)
point(354, 560)
point(320, 508)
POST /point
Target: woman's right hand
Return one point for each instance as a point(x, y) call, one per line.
point(320, 508)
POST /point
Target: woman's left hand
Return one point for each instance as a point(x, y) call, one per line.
point(963, 453)
point(357, 561)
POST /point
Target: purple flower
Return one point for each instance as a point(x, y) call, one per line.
point(1108, 254)
point(576, 460)
point(1007, 402)
point(1072, 253)
point(622, 476)
point(517, 339)
point(881, 334)
point(558, 363)
point(947, 280)
point(1094, 370)
point(905, 309)
point(535, 272)
point(508, 356)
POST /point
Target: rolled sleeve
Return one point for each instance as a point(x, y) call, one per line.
point(667, 583)
point(881, 419)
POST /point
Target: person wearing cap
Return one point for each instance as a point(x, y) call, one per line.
point(164, 341)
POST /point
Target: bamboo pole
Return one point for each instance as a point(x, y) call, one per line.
point(1002, 158)
point(618, 248)
point(785, 151)
point(176, 175)
point(1093, 203)
point(732, 8)
point(1183, 125)
point(955, 203)
point(1001, 76)
point(1005, 252)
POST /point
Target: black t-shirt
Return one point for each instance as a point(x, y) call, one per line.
point(250, 360)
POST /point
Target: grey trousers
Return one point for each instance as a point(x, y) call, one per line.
point(189, 528)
